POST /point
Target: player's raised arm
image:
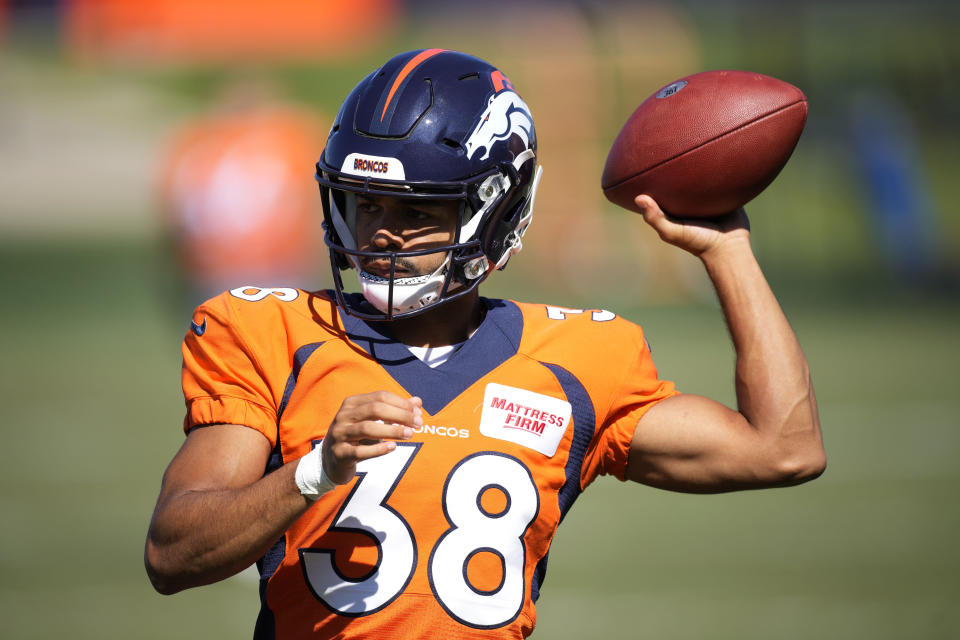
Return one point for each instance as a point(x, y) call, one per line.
point(692, 443)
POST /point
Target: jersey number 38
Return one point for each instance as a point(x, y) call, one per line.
point(472, 530)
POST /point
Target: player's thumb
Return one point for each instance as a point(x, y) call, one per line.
point(651, 212)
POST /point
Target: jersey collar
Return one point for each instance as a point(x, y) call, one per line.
point(495, 341)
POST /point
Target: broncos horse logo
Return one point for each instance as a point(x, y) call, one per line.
point(506, 114)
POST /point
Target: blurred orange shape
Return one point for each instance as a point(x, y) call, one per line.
point(212, 30)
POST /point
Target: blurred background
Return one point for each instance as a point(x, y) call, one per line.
point(155, 152)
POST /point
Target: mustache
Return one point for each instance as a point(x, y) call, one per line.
point(400, 264)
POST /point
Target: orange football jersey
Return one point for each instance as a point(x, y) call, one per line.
point(446, 536)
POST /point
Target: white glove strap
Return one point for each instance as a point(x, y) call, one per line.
point(311, 479)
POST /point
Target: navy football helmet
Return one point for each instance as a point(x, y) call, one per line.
point(436, 125)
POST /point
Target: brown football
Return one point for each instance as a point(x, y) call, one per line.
point(706, 144)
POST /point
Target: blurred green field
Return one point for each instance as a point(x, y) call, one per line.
point(89, 385)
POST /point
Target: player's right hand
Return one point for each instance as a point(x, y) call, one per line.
point(367, 426)
point(697, 235)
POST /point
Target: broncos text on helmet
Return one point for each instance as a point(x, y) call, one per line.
point(435, 125)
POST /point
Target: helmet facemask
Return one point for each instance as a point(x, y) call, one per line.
point(393, 293)
point(485, 206)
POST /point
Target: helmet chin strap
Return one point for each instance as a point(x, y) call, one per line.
point(410, 293)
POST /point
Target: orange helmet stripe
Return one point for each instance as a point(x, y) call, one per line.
point(500, 81)
point(407, 70)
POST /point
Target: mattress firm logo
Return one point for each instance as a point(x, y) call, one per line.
point(526, 418)
point(358, 164)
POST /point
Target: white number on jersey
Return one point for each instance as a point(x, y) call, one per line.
point(366, 510)
point(472, 531)
point(597, 315)
point(256, 294)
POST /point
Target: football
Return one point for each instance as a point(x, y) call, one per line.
point(706, 144)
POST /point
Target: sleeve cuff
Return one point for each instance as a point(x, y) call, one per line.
point(621, 438)
point(227, 410)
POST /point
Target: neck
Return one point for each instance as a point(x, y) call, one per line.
point(447, 324)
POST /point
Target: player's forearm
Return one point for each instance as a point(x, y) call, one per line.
point(199, 537)
point(773, 384)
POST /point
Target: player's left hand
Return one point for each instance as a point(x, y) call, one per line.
point(699, 236)
point(367, 426)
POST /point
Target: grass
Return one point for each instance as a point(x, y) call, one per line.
point(89, 385)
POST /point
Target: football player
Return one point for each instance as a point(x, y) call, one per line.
point(396, 455)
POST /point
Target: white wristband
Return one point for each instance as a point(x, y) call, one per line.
point(310, 477)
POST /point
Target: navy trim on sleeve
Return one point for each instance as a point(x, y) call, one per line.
point(300, 357)
point(265, 628)
point(584, 423)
